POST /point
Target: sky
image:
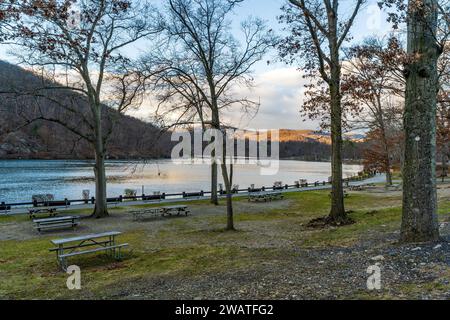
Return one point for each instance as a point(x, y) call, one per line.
point(278, 87)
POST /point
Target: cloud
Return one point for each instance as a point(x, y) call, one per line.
point(280, 92)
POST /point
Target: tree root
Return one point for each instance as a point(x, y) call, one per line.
point(328, 221)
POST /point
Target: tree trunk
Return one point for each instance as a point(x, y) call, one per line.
point(388, 172)
point(445, 151)
point(337, 213)
point(387, 158)
point(101, 207)
point(419, 221)
point(227, 181)
point(214, 197)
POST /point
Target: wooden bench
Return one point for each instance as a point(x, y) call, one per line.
point(140, 214)
point(193, 194)
point(101, 242)
point(56, 223)
point(155, 197)
point(49, 212)
point(160, 211)
point(357, 188)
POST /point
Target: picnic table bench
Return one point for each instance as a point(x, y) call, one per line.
point(56, 223)
point(51, 212)
point(160, 211)
point(265, 196)
point(71, 247)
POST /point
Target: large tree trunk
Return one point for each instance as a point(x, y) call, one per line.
point(337, 213)
point(419, 221)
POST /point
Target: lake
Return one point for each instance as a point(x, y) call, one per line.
point(20, 179)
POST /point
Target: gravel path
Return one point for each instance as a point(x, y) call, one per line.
point(333, 273)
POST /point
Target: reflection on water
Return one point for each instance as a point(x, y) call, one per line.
point(19, 179)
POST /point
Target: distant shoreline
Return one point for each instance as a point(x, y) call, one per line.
point(355, 162)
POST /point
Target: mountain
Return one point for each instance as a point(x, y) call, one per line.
point(287, 135)
point(131, 137)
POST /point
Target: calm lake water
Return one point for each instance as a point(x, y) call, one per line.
point(20, 179)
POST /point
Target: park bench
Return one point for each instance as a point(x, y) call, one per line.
point(160, 211)
point(5, 208)
point(193, 194)
point(303, 183)
point(42, 200)
point(114, 200)
point(49, 212)
point(130, 193)
point(155, 197)
point(56, 223)
point(234, 189)
point(278, 185)
point(92, 243)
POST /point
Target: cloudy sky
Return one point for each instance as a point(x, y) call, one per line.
point(279, 87)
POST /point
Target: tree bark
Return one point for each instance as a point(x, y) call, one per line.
point(337, 212)
point(101, 206)
point(227, 181)
point(214, 197)
point(445, 152)
point(419, 220)
point(387, 157)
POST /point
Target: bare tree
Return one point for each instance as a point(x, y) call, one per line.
point(376, 84)
point(81, 45)
point(210, 62)
point(317, 34)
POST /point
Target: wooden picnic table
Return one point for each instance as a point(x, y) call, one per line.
point(177, 209)
point(51, 212)
point(160, 211)
point(70, 247)
point(56, 223)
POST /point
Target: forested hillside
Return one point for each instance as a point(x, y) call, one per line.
point(131, 138)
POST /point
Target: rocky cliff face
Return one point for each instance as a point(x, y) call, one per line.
point(18, 143)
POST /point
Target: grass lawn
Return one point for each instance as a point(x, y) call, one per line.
point(194, 246)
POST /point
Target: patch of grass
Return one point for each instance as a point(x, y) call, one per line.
point(384, 219)
point(29, 270)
